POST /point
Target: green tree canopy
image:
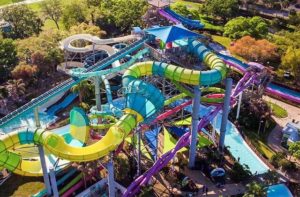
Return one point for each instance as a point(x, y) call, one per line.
point(294, 149)
point(52, 9)
point(23, 20)
point(291, 61)
point(255, 189)
point(255, 27)
point(124, 13)
point(74, 13)
point(222, 8)
point(8, 57)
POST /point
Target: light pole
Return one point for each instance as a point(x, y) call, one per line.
point(260, 122)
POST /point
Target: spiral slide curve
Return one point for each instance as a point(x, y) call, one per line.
point(143, 101)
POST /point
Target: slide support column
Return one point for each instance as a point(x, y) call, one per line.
point(37, 117)
point(239, 106)
point(45, 170)
point(139, 137)
point(53, 182)
point(98, 96)
point(111, 180)
point(226, 109)
point(195, 120)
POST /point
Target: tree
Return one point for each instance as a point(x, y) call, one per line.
point(271, 177)
point(93, 9)
point(24, 71)
point(240, 172)
point(255, 50)
point(15, 88)
point(255, 27)
point(290, 60)
point(255, 189)
point(74, 13)
point(52, 9)
point(42, 51)
point(181, 9)
point(87, 29)
point(124, 13)
point(222, 8)
point(294, 149)
point(23, 20)
point(8, 57)
point(84, 89)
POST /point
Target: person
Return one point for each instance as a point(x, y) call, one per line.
point(206, 190)
point(203, 189)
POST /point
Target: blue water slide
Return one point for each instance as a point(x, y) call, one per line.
point(61, 105)
point(193, 24)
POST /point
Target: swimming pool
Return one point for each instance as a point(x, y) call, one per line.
point(26, 120)
point(234, 141)
point(279, 190)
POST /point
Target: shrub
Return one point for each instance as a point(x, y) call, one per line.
point(275, 159)
point(240, 172)
point(287, 165)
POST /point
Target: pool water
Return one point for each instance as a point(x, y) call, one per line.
point(279, 190)
point(26, 120)
point(235, 142)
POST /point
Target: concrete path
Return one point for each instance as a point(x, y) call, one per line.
point(22, 2)
point(200, 179)
point(274, 138)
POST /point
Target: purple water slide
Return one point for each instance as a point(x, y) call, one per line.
point(272, 88)
point(167, 16)
point(134, 187)
point(283, 95)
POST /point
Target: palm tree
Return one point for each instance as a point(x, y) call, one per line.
point(255, 189)
point(15, 88)
point(83, 88)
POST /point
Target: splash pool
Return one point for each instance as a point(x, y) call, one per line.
point(279, 190)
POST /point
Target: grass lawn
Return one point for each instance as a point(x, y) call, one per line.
point(190, 5)
point(278, 111)
point(5, 2)
point(260, 141)
point(48, 24)
point(21, 186)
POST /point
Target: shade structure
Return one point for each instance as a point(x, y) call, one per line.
point(172, 33)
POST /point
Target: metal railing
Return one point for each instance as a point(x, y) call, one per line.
point(66, 84)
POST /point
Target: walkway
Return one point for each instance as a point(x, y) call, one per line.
point(162, 187)
point(21, 2)
point(274, 138)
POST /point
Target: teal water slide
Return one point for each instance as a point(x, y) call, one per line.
point(70, 82)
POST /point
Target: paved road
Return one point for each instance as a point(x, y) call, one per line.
point(22, 2)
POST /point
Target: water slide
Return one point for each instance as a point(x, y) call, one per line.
point(97, 44)
point(69, 174)
point(69, 83)
point(245, 82)
point(272, 88)
point(163, 13)
point(143, 101)
point(62, 104)
point(171, 15)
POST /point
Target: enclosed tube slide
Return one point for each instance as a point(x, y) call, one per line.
point(143, 101)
